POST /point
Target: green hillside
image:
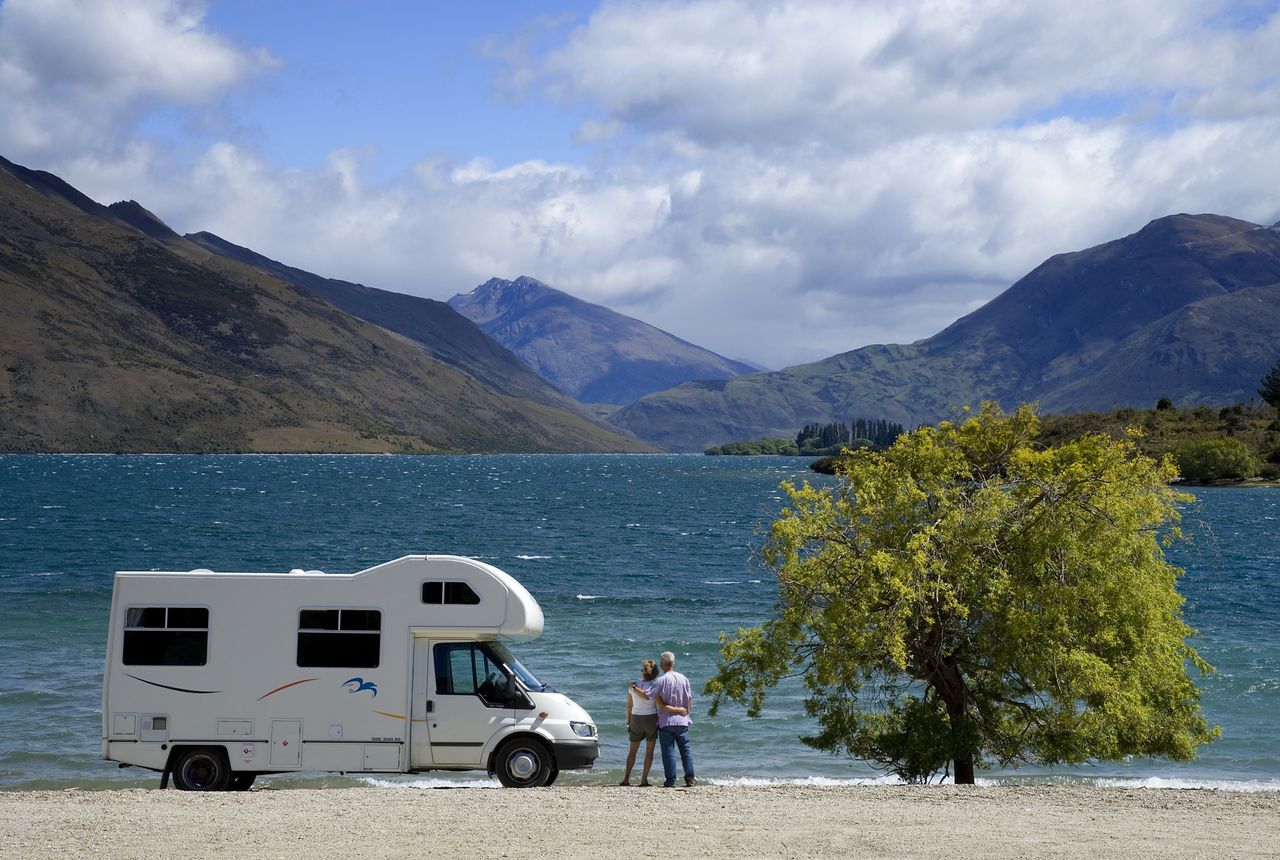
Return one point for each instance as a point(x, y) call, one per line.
point(1227, 444)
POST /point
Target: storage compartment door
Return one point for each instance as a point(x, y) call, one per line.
point(286, 743)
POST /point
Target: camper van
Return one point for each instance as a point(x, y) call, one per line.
point(214, 678)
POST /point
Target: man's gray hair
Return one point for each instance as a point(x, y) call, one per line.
point(667, 659)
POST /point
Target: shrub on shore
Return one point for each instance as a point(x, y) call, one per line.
point(1216, 460)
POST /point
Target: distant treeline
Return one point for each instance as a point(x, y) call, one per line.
point(818, 440)
point(821, 437)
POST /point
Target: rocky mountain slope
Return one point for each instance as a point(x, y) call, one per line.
point(589, 351)
point(118, 335)
point(1186, 308)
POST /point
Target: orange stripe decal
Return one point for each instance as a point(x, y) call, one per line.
point(285, 687)
point(392, 716)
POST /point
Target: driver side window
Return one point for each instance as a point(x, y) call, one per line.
point(467, 669)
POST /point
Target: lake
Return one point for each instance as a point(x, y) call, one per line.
point(629, 555)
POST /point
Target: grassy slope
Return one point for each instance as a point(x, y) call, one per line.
point(1163, 431)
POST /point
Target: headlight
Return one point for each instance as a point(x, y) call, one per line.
point(583, 730)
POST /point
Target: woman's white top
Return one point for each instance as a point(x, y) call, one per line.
point(640, 706)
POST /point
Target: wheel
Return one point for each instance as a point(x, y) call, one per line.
point(202, 769)
point(523, 763)
point(242, 781)
point(555, 771)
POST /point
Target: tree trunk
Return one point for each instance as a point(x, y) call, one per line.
point(951, 688)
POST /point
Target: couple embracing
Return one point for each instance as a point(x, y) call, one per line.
point(658, 707)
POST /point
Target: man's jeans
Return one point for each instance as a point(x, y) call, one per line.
point(669, 737)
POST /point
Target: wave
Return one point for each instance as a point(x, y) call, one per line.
point(429, 782)
point(532, 557)
point(27, 697)
point(1245, 785)
point(588, 596)
point(806, 781)
point(1150, 782)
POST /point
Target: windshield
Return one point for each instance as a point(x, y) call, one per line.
point(505, 655)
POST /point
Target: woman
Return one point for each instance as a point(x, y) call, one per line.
point(642, 721)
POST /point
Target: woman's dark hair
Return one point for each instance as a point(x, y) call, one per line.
point(649, 670)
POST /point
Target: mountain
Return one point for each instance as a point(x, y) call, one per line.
point(593, 353)
point(116, 334)
point(1186, 308)
point(447, 335)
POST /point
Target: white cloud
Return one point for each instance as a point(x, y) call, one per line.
point(840, 74)
point(76, 74)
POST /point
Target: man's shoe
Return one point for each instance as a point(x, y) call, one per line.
point(668, 785)
point(690, 781)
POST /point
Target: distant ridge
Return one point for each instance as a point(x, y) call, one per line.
point(1186, 308)
point(587, 350)
point(446, 334)
point(132, 213)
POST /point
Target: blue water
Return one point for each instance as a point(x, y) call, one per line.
point(628, 555)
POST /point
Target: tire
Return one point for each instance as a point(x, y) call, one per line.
point(555, 771)
point(242, 781)
point(202, 769)
point(523, 763)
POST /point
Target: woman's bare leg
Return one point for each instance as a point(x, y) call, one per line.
point(648, 760)
point(631, 762)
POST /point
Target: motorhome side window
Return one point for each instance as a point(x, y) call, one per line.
point(468, 669)
point(449, 592)
point(339, 638)
point(166, 636)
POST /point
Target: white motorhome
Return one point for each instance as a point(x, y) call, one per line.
point(218, 677)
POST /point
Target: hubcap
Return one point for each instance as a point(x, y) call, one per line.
point(522, 764)
point(200, 772)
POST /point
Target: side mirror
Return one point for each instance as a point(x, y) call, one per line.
point(516, 698)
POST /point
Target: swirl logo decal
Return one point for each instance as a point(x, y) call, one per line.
point(359, 685)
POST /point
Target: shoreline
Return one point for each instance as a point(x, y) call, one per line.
point(588, 821)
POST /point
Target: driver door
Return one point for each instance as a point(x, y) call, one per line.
point(463, 699)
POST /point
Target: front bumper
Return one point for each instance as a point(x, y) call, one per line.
point(576, 755)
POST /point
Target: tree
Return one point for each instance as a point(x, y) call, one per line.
point(1270, 387)
point(968, 598)
point(1217, 459)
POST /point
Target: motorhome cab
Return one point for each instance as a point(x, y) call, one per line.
point(218, 677)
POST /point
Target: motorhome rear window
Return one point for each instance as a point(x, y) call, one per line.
point(339, 638)
point(449, 592)
point(166, 636)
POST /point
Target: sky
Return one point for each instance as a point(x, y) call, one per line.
point(776, 181)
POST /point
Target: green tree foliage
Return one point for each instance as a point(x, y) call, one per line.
point(969, 597)
point(822, 438)
point(783, 447)
point(1270, 386)
point(1217, 459)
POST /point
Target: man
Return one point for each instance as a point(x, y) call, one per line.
point(674, 698)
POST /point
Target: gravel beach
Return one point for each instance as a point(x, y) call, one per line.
point(705, 821)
